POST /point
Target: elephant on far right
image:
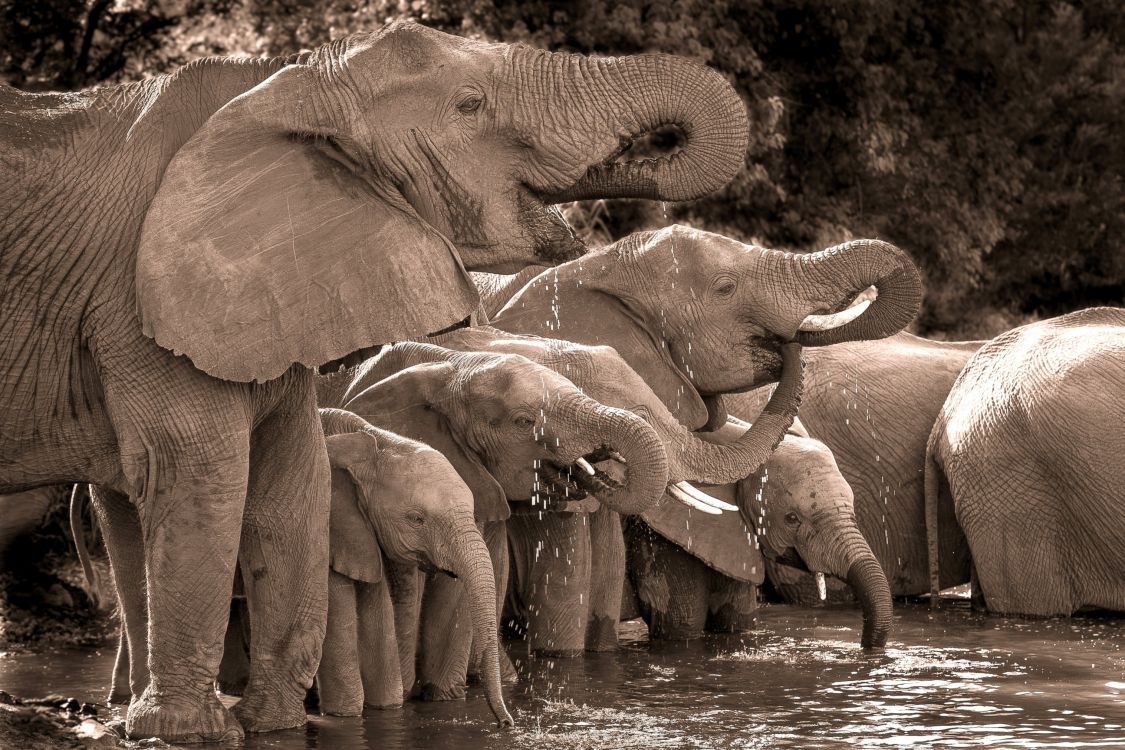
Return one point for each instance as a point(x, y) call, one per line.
point(1030, 444)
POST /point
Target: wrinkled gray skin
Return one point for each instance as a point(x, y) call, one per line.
point(514, 430)
point(1029, 443)
point(561, 612)
point(873, 403)
point(802, 512)
point(254, 214)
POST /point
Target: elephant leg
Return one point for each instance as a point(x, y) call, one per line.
point(119, 690)
point(732, 606)
point(976, 596)
point(607, 565)
point(121, 529)
point(284, 559)
point(234, 669)
point(672, 586)
point(338, 680)
point(405, 585)
point(378, 646)
point(447, 639)
point(496, 539)
point(552, 570)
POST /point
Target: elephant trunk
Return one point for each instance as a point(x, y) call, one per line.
point(472, 564)
point(848, 557)
point(614, 100)
point(836, 276)
point(698, 460)
point(645, 461)
point(340, 421)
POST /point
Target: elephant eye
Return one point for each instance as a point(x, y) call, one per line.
point(724, 287)
point(470, 104)
point(792, 519)
point(524, 422)
point(415, 518)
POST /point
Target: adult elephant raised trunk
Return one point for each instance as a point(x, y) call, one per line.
point(469, 560)
point(624, 98)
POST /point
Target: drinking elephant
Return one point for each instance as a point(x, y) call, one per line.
point(514, 430)
point(570, 601)
point(175, 252)
point(692, 571)
point(1029, 445)
point(873, 403)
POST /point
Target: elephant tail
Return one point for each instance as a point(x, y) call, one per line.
point(931, 496)
point(93, 583)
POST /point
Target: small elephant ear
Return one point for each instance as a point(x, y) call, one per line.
point(265, 245)
point(353, 546)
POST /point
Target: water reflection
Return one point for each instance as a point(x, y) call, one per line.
point(949, 679)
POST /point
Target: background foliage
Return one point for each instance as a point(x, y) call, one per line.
point(984, 136)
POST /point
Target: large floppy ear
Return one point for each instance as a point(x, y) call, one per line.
point(353, 546)
point(410, 403)
point(723, 542)
point(266, 244)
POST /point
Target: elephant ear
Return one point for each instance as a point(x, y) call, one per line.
point(353, 546)
point(265, 245)
point(723, 542)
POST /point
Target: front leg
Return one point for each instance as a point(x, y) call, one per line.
point(338, 680)
point(378, 647)
point(284, 558)
point(447, 639)
point(405, 584)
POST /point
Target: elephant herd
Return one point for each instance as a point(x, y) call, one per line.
point(523, 431)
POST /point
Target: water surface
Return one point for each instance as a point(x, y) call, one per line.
point(947, 679)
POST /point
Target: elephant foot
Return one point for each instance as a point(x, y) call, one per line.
point(558, 653)
point(508, 673)
point(119, 697)
point(383, 706)
point(205, 721)
point(342, 708)
point(261, 713)
point(601, 634)
point(434, 692)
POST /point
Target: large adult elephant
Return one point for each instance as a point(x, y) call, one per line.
point(873, 403)
point(1029, 444)
point(175, 252)
point(514, 430)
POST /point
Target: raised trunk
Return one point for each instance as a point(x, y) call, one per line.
point(611, 101)
point(646, 463)
point(472, 564)
point(832, 278)
point(697, 460)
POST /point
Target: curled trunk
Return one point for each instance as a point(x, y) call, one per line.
point(646, 463)
point(837, 275)
point(698, 460)
point(473, 566)
point(630, 96)
point(841, 550)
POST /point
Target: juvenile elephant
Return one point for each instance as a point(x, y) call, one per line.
point(692, 571)
point(571, 601)
point(514, 430)
point(1029, 443)
point(397, 499)
point(175, 252)
point(873, 403)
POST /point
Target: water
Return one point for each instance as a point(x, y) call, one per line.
point(948, 679)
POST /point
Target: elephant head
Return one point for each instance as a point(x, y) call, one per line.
point(334, 199)
point(803, 511)
point(515, 430)
point(395, 496)
point(603, 375)
point(698, 314)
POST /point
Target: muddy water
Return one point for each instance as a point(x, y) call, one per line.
point(950, 679)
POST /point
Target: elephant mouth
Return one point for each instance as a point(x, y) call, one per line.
point(580, 479)
point(792, 558)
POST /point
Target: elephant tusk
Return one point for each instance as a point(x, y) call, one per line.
point(691, 502)
point(703, 497)
point(617, 457)
point(835, 320)
point(585, 466)
point(821, 586)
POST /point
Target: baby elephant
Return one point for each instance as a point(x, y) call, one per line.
point(394, 500)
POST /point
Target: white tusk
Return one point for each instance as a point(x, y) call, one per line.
point(739, 423)
point(703, 497)
point(617, 457)
point(821, 586)
point(585, 466)
point(835, 320)
point(690, 501)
